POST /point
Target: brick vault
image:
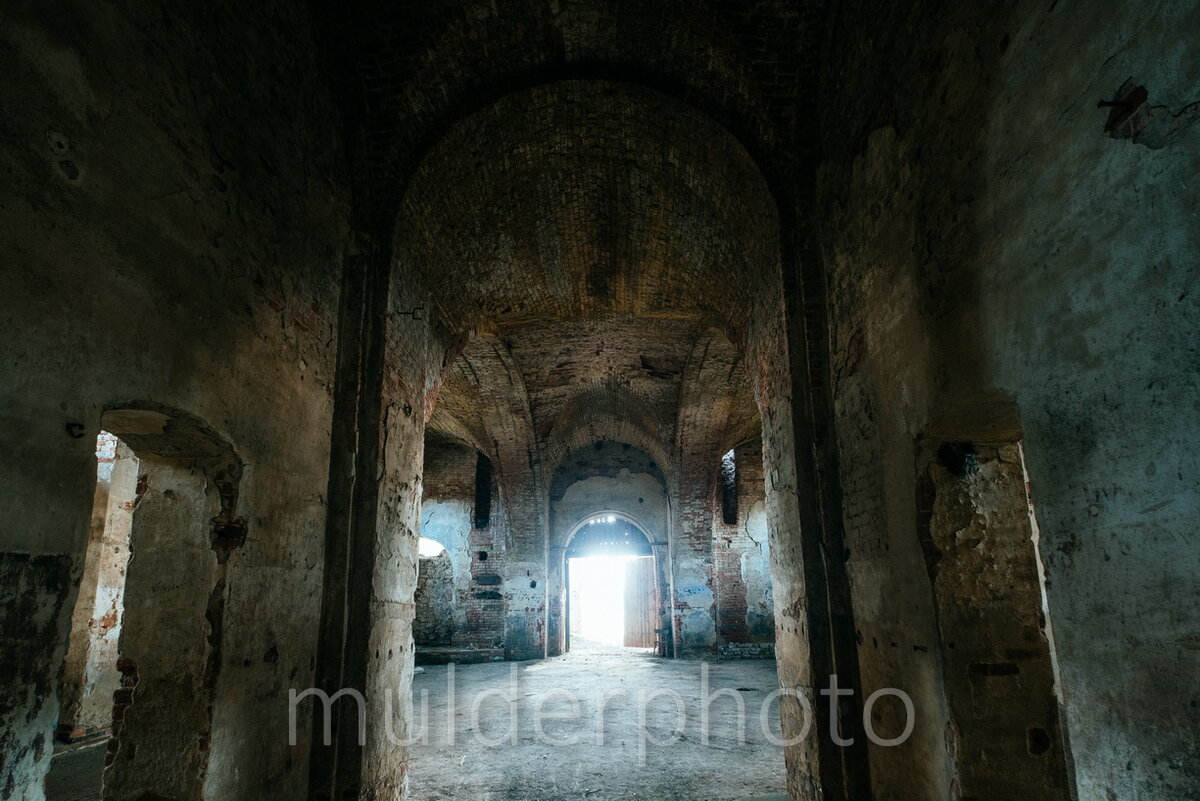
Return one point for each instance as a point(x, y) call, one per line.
point(334, 331)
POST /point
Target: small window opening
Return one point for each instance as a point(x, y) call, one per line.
point(483, 491)
point(729, 500)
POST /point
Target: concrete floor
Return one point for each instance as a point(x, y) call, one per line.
point(625, 766)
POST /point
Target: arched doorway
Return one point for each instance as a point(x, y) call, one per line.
point(164, 526)
point(612, 589)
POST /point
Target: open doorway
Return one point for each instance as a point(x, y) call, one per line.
point(433, 600)
point(612, 592)
point(143, 660)
point(90, 677)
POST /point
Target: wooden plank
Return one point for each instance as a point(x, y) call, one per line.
point(641, 603)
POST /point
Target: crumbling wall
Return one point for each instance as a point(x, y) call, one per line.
point(772, 358)
point(377, 659)
point(478, 547)
point(745, 604)
point(448, 517)
point(90, 675)
point(693, 595)
point(482, 401)
point(449, 523)
point(979, 540)
point(433, 620)
point(174, 223)
point(163, 723)
point(1001, 268)
point(883, 383)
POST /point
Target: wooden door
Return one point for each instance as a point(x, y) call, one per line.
point(641, 603)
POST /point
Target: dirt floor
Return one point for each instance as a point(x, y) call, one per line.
point(626, 765)
point(75, 771)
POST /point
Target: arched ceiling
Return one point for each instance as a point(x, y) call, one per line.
point(716, 406)
point(406, 71)
point(586, 188)
point(482, 400)
point(603, 458)
point(583, 199)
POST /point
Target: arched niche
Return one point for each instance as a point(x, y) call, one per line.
point(605, 478)
point(184, 530)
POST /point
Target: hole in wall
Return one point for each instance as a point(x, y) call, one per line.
point(960, 458)
point(1131, 116)
point(1039, 741)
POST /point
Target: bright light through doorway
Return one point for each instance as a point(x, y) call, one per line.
point(427, 548)
point(598, 587)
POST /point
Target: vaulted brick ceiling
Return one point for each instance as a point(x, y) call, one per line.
point(580, 199)
point(409, 70)
point(585, 190)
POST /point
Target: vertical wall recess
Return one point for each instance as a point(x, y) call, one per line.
point(976, 526)
point(90, 675)
point(729, 498)
point(174, 603)
point(483, 492)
